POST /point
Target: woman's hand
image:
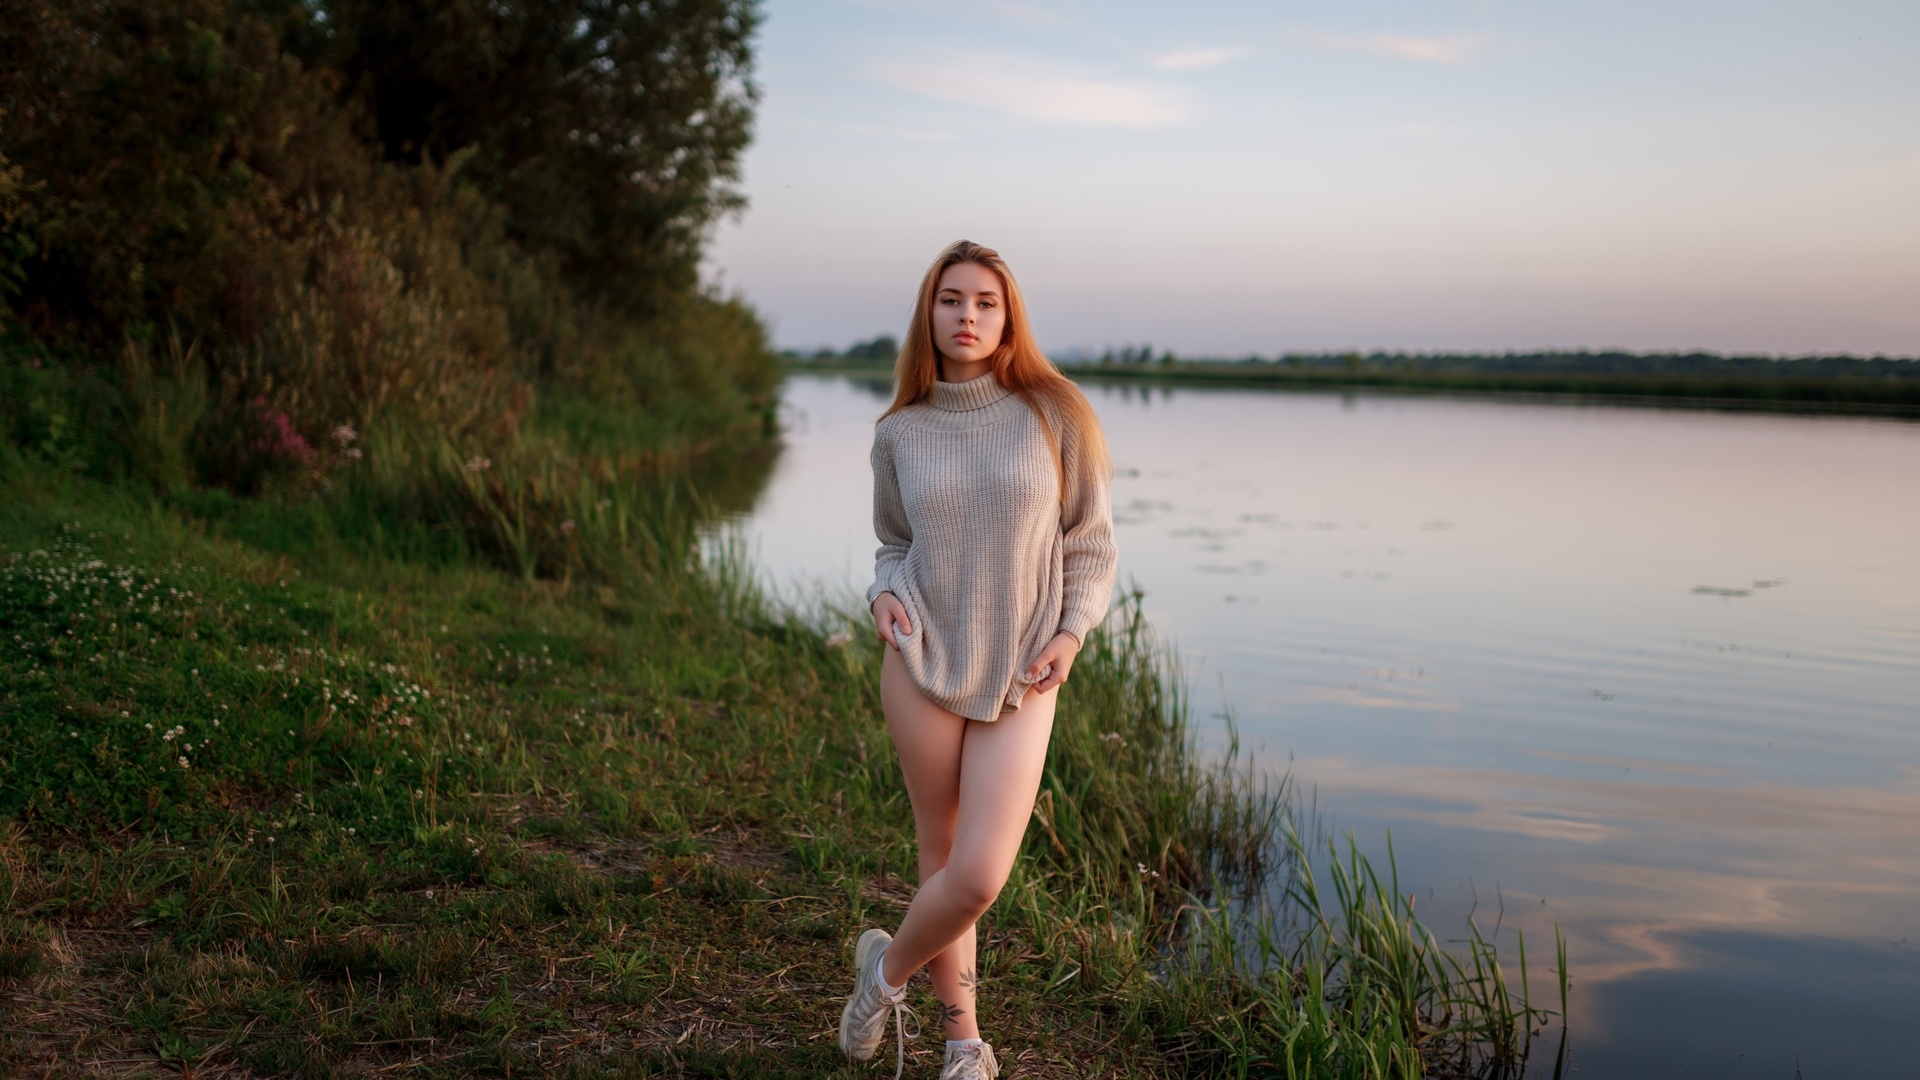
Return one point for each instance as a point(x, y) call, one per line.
point(890, 617)
point(1059, 653)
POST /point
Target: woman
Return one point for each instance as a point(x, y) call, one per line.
point(996, 557)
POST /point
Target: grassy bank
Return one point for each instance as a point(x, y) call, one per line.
point(447, 770)
point(1838, 393)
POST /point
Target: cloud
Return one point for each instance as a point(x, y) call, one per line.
point(1908, 164)
point(878, 131)
point(1421, 129)
point(1034, 92)
point(1451, 49)
point(1197, 59)
point(1027, 14)
point(1024, 13)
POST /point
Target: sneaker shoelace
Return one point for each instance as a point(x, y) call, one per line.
point(878, 1018)
point(901, 1011)
point(968, 1064)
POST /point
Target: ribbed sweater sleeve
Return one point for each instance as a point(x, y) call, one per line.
point(1089, 558)
point(890, 525)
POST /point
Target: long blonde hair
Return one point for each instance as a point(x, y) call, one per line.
point(1018, 363)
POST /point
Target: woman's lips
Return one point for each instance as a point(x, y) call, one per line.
point(965, 339)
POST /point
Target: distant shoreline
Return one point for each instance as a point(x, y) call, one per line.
point(1874, 395)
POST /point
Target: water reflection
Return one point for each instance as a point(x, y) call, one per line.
point(728, 483)
point(1767, 1018)
point(1649, 675)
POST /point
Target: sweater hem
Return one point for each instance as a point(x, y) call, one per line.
point(980, 709)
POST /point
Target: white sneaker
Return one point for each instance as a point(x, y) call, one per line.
point(971, 1062)
point(863, 1023)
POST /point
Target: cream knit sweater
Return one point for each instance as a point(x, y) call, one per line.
point(977, 542)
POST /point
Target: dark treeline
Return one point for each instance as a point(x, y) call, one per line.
point(884, 348)
point(1584, 362)
point(1878, 383)
point(246, 228)
point(1836, 382)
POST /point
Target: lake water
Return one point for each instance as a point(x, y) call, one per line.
point(1651, 675)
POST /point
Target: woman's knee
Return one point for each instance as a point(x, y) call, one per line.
point(974, 889)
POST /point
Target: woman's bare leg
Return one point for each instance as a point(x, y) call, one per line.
point(976, 782)
point(928, 739)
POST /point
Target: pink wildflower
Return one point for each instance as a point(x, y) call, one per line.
point(278, 437)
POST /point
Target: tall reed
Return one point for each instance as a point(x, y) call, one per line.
point(1342, 980)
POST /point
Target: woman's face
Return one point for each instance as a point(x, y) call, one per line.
point(969, 313)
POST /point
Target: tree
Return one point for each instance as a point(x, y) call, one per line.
point(885, 347)
point(610, 132)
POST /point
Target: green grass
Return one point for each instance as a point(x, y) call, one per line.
point(355, 781)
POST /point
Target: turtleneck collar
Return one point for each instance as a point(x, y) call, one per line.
point(976, 393)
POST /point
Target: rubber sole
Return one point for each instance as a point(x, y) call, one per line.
point(865, 954)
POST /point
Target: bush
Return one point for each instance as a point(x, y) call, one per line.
point(611, 133)
point(218, 206)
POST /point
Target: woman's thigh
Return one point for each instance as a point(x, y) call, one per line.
point(928, 739)
point(1000, 769)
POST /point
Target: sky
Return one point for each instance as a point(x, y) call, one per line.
point(1222, 178)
